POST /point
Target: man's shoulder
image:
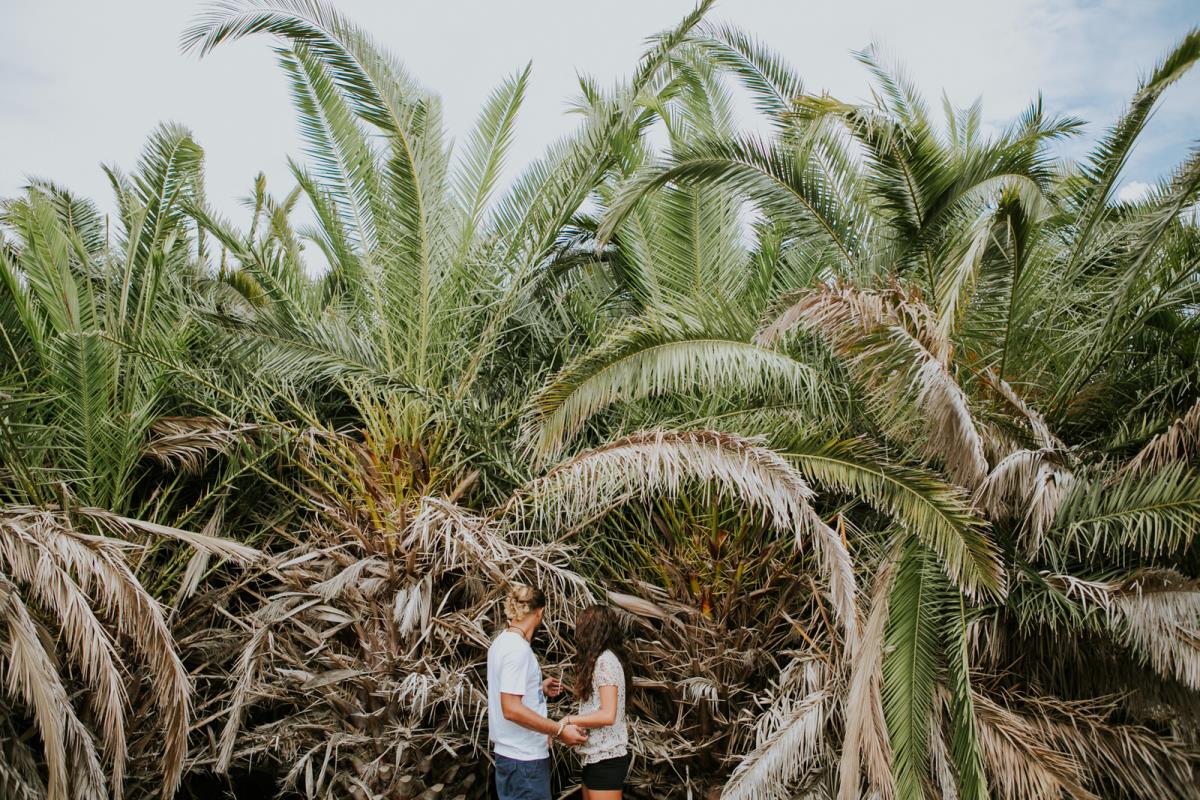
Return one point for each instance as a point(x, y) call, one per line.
point(507, 643)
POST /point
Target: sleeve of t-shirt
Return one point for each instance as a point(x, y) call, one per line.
point(513, 668)
point(608, 670)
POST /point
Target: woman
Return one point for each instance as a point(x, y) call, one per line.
point(601, 686)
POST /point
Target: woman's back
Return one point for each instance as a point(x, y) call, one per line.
point(610, 741)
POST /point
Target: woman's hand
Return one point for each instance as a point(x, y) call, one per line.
point(552, 687)
point(569, 734)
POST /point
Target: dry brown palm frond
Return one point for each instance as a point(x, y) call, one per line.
point(20, 775)
point(1137, 761)
point(1159, 612)
point(1028, 485)
point(82, 584)
point(198, 564)
point(662, 463)
point(790, 736)
point(892, 343)
point(88, 643)
point(940, 759)
point(204, 542)
point(186, 443)
point(1041, 432)
point(845, 310)
point(866, 738)
point(1021, 763)
point(31, 679)
point(1180, 442)
point(1155, 612)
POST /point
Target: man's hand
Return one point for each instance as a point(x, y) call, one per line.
point(552, 687)
point(572, 736)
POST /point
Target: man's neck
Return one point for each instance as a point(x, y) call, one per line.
point(524, 629)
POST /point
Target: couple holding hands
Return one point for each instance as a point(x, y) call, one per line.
point(519, 728)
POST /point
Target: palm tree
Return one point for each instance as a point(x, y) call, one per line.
point(82, 417)
point(882, 430)
point(940, 268)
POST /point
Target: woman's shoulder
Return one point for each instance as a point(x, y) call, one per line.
point(609, 657)
point(608, 665)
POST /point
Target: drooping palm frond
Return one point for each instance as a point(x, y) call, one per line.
point(1159, 614)
point(1029, 486)
point(187, 442)
point(790, 741)
point(937, 514)
point(902, 358)
point(650, 358)
point(1143, 513)
point(965, 750)
point(774, 85)
point(645, 465)
point(1180, 442)
point(67, 575)
point(1021, 762)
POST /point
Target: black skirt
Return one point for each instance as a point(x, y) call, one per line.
point(606, 775)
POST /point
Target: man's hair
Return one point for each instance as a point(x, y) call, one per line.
point(523, 600)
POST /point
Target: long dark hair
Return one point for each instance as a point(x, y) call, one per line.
point(598, 628)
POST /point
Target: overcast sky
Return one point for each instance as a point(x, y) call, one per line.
point(83, 82)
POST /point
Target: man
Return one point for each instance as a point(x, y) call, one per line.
point(518, 726)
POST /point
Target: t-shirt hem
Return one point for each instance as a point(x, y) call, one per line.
point(518, 755)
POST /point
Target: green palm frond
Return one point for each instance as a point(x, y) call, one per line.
point(1146, 514)
point(652, 358)
point(1094, 190)
point(484, 157)
point(786, 188)
point(775, 87)
point(938, 514)
point(910, 666)
point(343, 159)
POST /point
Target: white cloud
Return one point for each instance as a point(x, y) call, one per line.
point(1132, 191)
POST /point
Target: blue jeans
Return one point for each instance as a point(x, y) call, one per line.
point(522, 780)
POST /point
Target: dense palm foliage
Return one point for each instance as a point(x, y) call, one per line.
point(884, 431)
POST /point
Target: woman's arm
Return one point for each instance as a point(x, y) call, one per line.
point(604, 716)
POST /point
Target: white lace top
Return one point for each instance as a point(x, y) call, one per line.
point(612, 741)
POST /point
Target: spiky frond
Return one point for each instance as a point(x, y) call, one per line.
point(936, 513)
point(648, 359)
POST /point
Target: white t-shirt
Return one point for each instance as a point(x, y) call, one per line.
point(512, 668)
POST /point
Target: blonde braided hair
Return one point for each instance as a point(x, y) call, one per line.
point(522, 600)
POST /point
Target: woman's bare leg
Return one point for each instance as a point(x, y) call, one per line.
point(604, 794)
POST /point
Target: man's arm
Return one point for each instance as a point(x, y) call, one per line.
point(514, 709)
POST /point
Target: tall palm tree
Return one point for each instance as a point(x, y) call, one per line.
point(941, 266)
point(82, 421)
